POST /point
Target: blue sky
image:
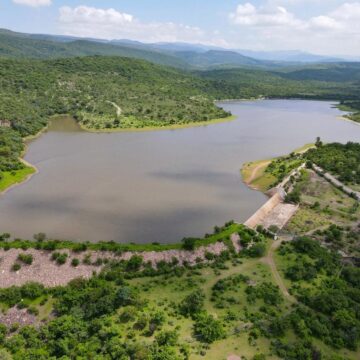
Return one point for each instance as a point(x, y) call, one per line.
point(320, 26)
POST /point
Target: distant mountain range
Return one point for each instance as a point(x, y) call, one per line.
point(180, 55)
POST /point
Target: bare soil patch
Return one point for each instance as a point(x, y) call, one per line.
point(46, 271)
point(17, 316)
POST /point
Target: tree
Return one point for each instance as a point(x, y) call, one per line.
point(257, 250)
point(169, 338)
point(318, 142)
point(189, 243)
point(40, 237)
point(293, 197)
point(125, 296)
point(207, 329)
point(193, 303)
point(134, 263)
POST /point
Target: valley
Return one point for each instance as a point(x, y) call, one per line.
point(145, 216)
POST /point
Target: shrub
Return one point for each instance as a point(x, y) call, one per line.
point(33, 310)
point(3, 331)
point(80, 247)
point(16, 267)
point(87, 259)
point(193, 303)
point(257, 250)
point(60, 258)
point(32, 290)
point(167, 338)
point(26, 258)
point(5, 236)
point(207, 329)
point(293, 197)
point(188, 243)
point(209, 255)
point(75, 262)
point(40, 237)
point(134, 263)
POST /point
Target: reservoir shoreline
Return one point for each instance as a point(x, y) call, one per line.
point(173, 183)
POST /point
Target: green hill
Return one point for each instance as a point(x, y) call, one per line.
point(338, 72)
point(18, 45)
point(148, 94)
point(336, 82)
point(215, 58)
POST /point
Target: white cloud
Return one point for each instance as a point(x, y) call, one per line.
point(112, 24)
point(86, 15)
point(248, 14)
point(324, 22)
point(33, 3)
point(271, 25)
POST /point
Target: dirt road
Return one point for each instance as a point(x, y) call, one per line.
point(269, 260)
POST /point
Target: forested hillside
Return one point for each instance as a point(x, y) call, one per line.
point(213, 58)
point(289, 83)
point(93, 89)
point(338, 72)
point(147, 94)
point(17, 45)
point(111, 93)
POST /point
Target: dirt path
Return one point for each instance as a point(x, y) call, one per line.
point(333, 180)
point(117, 107)
point(255, 171)
point(269, 260)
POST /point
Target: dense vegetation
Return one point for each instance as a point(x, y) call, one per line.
point(107, 317)
point(132, 311)
point(337, 72)
point(11, 146)
point(18, 45)
point(353, 107)
point(342, 160)
point(241, 83)
point(106, 93)
point(327, 291)
point(148, 95)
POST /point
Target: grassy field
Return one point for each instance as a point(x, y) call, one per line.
point(164, 293)
point(263, 174)
point(15, 177)
point(321, 205)
point(254, 175)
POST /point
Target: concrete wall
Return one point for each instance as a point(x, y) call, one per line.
point(264, 211)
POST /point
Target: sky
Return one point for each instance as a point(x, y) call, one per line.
point(328, 27)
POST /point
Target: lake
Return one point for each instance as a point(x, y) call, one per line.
point(159, 185)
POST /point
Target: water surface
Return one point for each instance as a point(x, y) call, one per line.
point(161, 185)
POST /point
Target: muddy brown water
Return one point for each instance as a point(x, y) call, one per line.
point(160, 185)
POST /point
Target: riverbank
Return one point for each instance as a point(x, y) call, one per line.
point(29, 138)
point(254, 173)
point(158, 128)
point(12, 179)
point(46, 271)
point(222, 234)
point(349, 119)
point(352, 115)
point(83, 260)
